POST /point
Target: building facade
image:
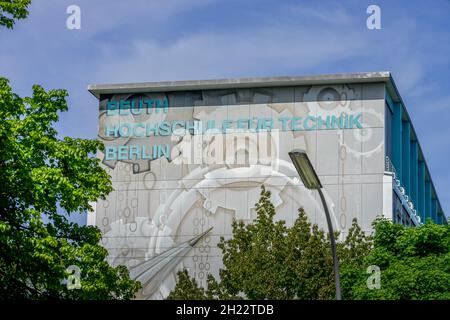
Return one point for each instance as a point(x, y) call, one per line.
point(188, 157)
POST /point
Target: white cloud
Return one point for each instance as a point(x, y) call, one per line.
point(325, 13)
point(225, 54)
point(100, 16)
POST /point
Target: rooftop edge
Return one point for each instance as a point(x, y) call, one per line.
point(249, 82)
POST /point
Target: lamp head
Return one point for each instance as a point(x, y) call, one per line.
point(305, 169)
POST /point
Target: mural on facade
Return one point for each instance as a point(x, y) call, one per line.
point(184, 164)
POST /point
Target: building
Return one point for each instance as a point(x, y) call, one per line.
point(187, 157)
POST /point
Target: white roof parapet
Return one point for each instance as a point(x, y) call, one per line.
point(255, 82)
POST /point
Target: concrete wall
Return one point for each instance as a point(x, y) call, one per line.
point(159, 204)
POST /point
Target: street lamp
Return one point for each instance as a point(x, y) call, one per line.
point(311, 181)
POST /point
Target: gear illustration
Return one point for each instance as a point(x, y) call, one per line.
point(364, 135)
point(132, 243)
point(197, 197)
point(330, 100)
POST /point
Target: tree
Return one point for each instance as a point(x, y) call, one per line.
point(11, 10)
point(265, 259)
point(38, 174)
point(187, 288)
point(414, 262)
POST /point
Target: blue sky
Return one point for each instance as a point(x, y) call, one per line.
point(143, 40)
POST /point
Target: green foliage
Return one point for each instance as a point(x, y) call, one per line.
point(265, 259)
point(187, 288)
point(11, 10)
point(38, 173)
point(414, 262)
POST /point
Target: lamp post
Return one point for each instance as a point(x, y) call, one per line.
point(311, 181)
